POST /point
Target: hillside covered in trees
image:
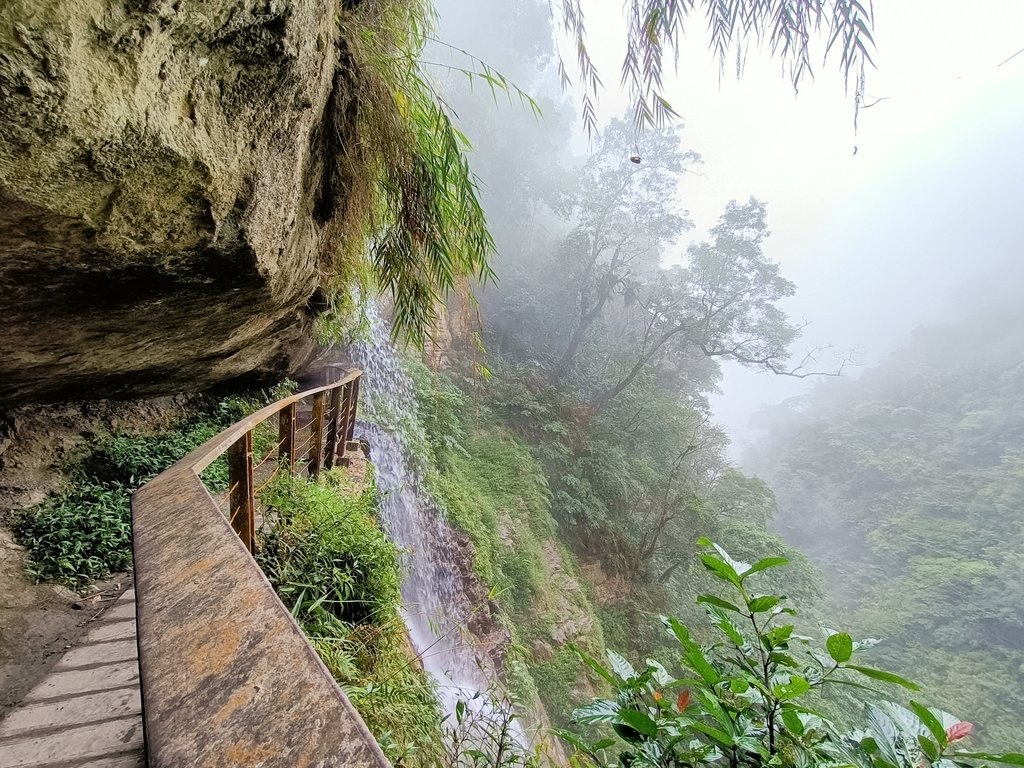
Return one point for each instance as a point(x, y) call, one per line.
point(905, 487)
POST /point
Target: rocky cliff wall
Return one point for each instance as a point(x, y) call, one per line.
point(160, 167)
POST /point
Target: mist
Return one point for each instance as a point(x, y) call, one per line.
point(897, 224)
point(883, 226)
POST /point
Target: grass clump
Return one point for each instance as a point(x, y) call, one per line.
point(338, 574)
point(82, 532)
point(78, 536)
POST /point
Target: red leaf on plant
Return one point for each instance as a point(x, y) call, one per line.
point(959, 731)
point(683, 701)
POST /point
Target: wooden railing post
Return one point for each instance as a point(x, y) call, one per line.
point(353, 402)
point(333, 427)
point(316, 435)
point(286, 437)
point(241, 499)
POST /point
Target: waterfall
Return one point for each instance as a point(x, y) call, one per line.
point(436, 609)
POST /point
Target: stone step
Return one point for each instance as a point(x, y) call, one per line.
point(87, 712)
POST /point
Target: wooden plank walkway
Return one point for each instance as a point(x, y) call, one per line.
point(86, 713)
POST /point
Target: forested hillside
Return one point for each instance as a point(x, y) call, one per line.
point(570, 422)
point(906, 487)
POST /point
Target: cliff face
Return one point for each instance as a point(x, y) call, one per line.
point(160, 169)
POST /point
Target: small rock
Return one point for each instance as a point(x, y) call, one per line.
point(541, 651)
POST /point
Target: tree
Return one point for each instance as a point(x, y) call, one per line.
point(722, 303)
point(654, 31)
point(625, 216)
point(906, 485)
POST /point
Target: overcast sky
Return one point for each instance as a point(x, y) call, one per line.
point(876, 241)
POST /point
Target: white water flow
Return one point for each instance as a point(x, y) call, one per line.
point(436, 609)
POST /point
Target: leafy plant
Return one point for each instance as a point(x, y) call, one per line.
point(79, 536)
point(337, 572)
point(654, 31)
point(82, 532)
point(747, 698)
point(483, 733)
point(401, 199)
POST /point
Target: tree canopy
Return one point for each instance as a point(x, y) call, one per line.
point(906, 486)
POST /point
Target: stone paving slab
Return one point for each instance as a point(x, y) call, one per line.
point(87, 713)
point(122, 702)
point(113, 630)
point(77, 681)
point(69, 745)
point(98, 653)
point(132, 760)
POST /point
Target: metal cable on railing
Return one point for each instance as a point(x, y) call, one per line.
point(328, 430)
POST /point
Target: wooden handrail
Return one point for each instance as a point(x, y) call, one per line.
point(227, 676)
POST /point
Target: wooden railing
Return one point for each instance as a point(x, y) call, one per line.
point(333, 405)
point(227, 676)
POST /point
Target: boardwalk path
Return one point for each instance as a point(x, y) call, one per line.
point(86, 712)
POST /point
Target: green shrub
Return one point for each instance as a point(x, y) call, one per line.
point(82, 532)
point(559, 684)
point(748, 700)
point(338, 574)
point(77, 537)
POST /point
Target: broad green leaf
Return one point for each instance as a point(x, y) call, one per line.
point(718, 602)
point(866, 643)
point(753, 745)
point(628, 733)
point(840, 647)
point(765, 563)
point(692, 652)
point(796, 687)
point(777, 636)
point(886, 735)
point(714, 708)
point(1007, 758)
point(792, 721)
point(593, 663)
point(928, 747)
point(720, 736)
point(678, 629)
point(575, 741)
point(737, 565)
point(784, 658)
point(622, 668)
point(739, 685)
point(697, 660)
point(597, 711)
point(721, 569)
point(887, 677)
point(764, 603)
point(639, 721)
point(931, 722)
point(658, 672)
point(721, 620)
point(851, 684)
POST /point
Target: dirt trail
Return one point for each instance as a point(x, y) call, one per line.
point(38, 622)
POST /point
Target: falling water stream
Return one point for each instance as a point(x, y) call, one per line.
point(436, 609)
